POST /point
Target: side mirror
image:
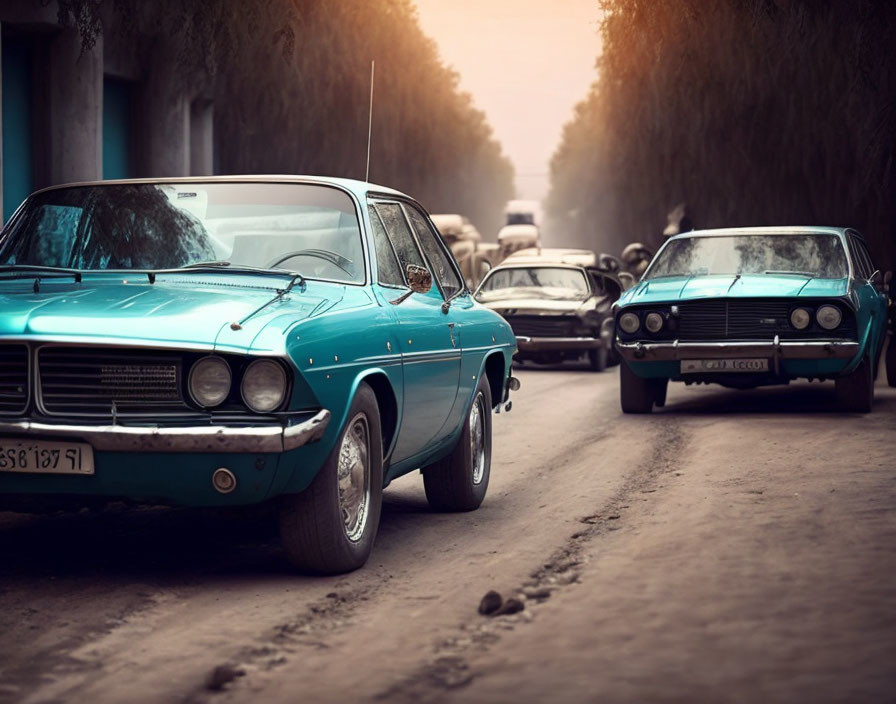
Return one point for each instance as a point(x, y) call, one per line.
point(419, 281)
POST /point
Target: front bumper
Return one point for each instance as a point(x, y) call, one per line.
point(206, 438)
point(776, 350)
point(557, 344)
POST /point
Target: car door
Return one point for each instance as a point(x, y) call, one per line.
point(429, 345)
point(870, 292)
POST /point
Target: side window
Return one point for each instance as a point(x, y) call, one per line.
point(399, 234)
point(443, 270)
point(863, 252)
point(387, 265)
point(859, 262)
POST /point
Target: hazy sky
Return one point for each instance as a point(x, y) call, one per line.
point(526, 63)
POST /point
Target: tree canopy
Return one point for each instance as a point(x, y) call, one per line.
point(290, 83)
point(753, 112)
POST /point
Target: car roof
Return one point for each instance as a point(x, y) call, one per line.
point(551, 255)
point(359, 188)
point(787, 230)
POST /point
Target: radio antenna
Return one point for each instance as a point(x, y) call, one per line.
point(370, 121)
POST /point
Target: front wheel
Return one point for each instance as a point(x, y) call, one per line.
point(855, 391)
point(330, 527)
point(459, 481)
point(636, 395)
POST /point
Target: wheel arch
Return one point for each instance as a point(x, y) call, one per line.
point(386, 400)
point(495, 369)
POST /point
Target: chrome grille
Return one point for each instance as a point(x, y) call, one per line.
point(744, 319)
point(13, 379)
point(541, 325)
point(106, 382)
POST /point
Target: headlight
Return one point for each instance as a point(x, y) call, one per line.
point(653, 322)
point(828, 317)
point(629, 322)
point(800, 318)
point(264, 386)
point(209, 381)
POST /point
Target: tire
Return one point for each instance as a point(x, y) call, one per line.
point(661, 387)
point(636, 395)
point(454, 483)
point(855, 391)
point(597, 359)
point(314, 533)
point(890, 361)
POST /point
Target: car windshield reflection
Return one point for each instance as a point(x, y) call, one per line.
point(812, 256)
point(306, 228)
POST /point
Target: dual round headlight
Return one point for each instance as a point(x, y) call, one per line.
point(263, 387)
point(629, 322)
point(653, 322)
point(828, 317)
point(800, 318)
point(209, 381)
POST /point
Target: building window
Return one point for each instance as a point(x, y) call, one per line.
point(118, 127)
point(18, 138)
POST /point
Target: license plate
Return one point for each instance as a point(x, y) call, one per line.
point(45, 457)
point(710, 366)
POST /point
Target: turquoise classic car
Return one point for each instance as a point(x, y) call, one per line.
point(233, 340)
point(753, 306)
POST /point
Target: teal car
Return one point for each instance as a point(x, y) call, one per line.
point(751, 307)
point(234, 340)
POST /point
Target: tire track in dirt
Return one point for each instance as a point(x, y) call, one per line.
point(451, 665)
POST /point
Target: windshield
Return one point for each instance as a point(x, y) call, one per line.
point(819, 256)
point(541, 282)
point(306, 228)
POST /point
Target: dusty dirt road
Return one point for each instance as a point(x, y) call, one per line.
point(734, 547)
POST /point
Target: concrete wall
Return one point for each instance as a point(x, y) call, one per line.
point(172, 127)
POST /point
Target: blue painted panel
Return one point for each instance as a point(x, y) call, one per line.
point(117, 98)
point(18, 165)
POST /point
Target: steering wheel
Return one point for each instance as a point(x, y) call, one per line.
point(335, 259)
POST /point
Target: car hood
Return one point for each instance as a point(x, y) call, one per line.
point(194, 313)
point(686, 288)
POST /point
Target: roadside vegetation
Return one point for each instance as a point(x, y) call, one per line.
point(290, 83)
point(753, 112)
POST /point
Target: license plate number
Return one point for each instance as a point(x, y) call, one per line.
point(710, 366)
point(45, 457)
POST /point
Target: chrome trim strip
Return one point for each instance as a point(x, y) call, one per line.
point(774, 349)
point(538, 344)
point(207, 438)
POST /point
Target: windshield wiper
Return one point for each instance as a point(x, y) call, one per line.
point(226, 268)
point(38, 270)
point(807, 274)
point(199, 265)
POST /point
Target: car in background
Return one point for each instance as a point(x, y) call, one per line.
point(513, 238)
point(557, 304)
point(228, 341)
point(750, 307)
point(466, 245)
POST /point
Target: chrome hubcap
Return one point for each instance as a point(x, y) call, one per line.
point(353, 473)
point(477, 437)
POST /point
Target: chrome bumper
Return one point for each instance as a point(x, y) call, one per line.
point(207, 438)
point(774, 349)
point(557, 344)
